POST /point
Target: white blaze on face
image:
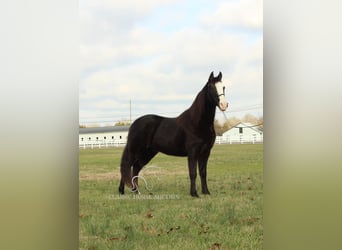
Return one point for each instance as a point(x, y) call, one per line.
point(220, 88)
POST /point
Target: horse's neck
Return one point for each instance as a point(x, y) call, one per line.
point(201, 113)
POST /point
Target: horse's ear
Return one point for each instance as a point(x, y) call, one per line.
point(211, 77)
point(219, 77)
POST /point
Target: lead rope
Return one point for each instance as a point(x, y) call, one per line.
point(224, 114)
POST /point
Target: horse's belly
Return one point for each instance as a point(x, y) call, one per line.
point(169, 147)
point(170, 141)
point(173, 151)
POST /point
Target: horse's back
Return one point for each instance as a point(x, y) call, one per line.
point(142, 130)
point(158, 133)
point(144, 123)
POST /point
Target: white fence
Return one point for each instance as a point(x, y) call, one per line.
point(101, 144)
point(240, 139)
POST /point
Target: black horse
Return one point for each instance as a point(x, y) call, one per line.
point(190, 134)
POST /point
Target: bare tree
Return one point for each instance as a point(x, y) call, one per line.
point(233, 121)
point(122, 123)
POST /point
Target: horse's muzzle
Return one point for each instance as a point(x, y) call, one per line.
point(223, 106)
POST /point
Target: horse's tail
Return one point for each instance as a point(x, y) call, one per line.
point(125, 168)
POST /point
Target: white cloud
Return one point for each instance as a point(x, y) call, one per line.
point(124, 57)
point(244, 13)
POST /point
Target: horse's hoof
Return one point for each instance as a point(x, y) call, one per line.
point(121, 191)
point(194, 194)
point(135, 191)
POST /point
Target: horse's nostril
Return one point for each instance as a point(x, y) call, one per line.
point(223, 106)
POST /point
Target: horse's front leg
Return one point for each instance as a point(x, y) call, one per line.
point(192, 162)
point(202, 166)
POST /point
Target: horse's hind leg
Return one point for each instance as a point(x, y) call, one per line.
point(139, 164)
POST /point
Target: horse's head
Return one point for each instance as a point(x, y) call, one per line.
point(217, 91)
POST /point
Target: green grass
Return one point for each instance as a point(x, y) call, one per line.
point(165, 216)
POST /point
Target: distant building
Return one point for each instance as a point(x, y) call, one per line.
point(242, 133)
point(103, 136)
point(115, 136)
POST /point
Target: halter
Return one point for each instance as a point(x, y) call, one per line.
point(224, 88)
point(222, 103)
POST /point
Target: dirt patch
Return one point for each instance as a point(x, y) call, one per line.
point(117, 176)
point(101, 176)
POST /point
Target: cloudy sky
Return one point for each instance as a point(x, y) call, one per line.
point(159, 54)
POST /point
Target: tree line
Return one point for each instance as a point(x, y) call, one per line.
point(220, 127)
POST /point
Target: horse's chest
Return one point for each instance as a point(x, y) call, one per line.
point(208, 136)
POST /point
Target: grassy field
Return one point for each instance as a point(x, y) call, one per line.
point(164, 215)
